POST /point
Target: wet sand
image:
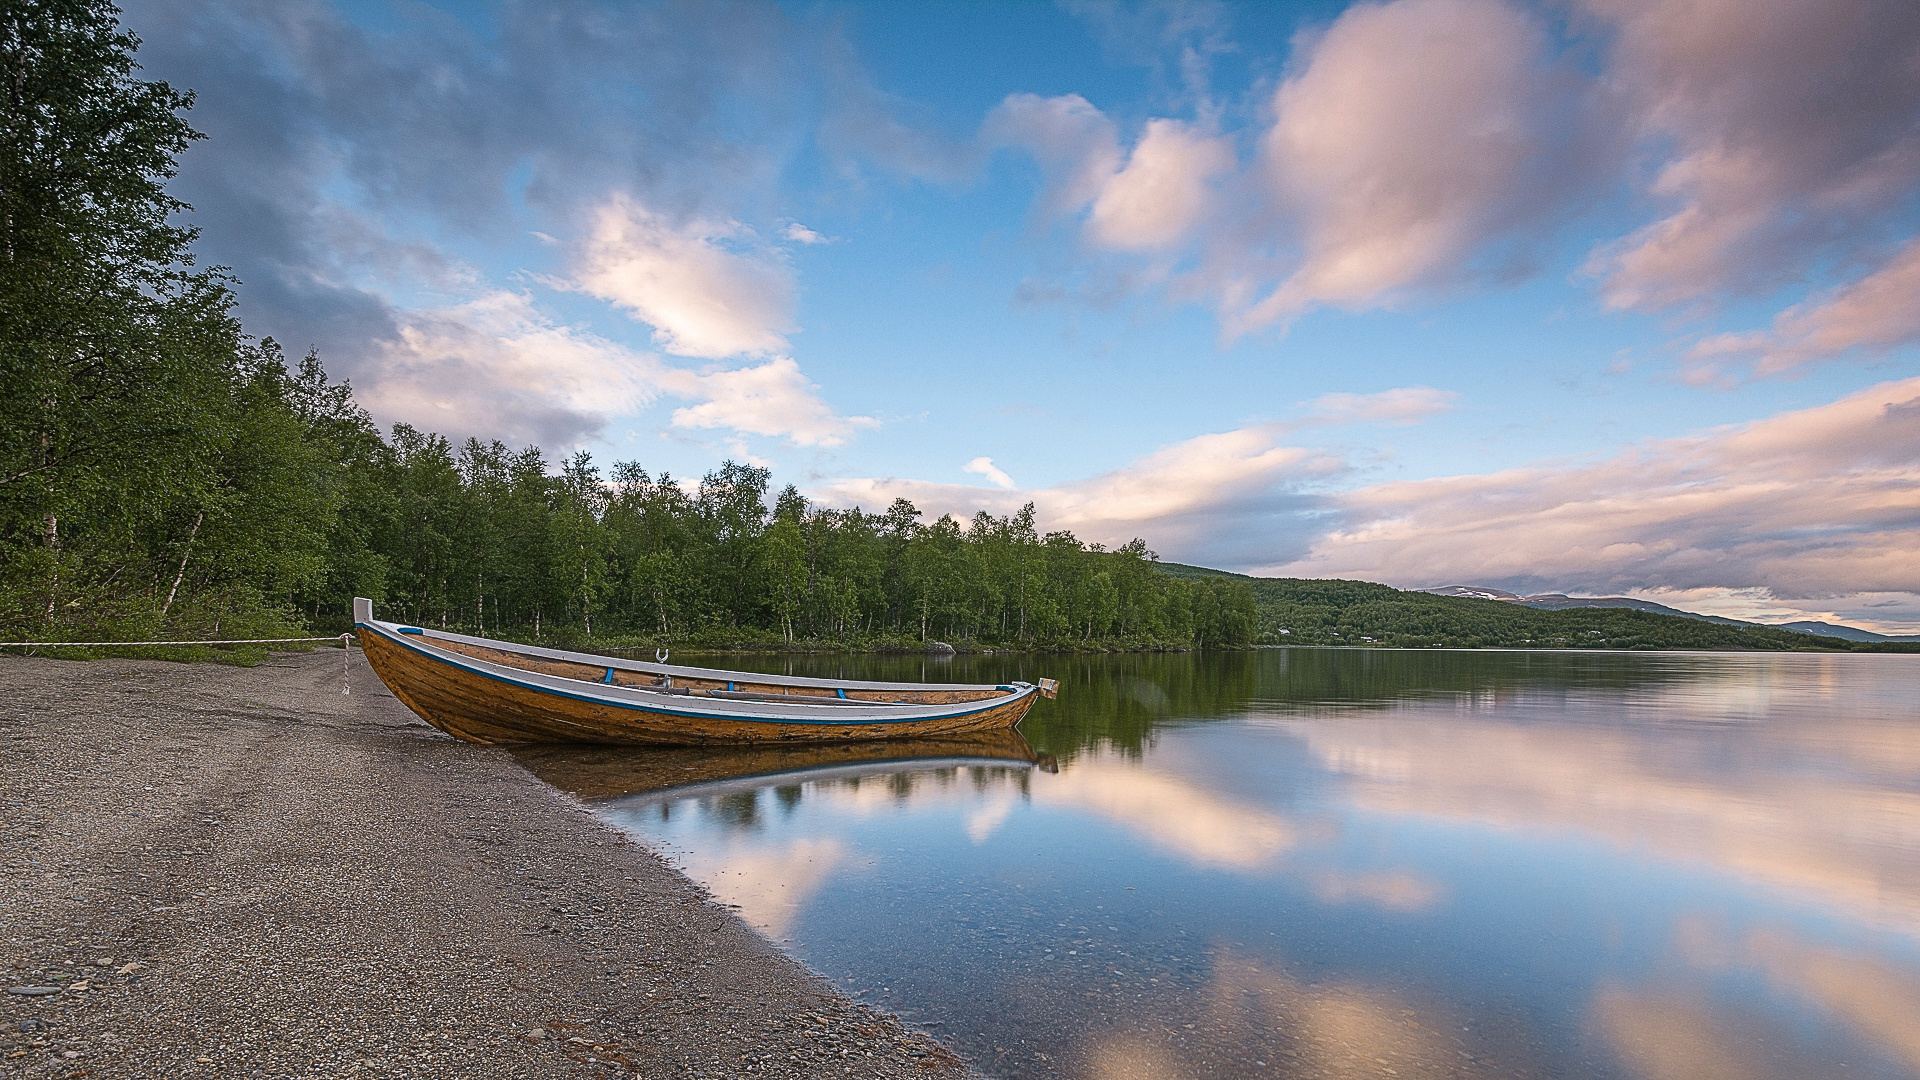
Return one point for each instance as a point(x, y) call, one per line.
point(239, 872)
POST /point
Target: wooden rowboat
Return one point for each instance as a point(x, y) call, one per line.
point(488, 691)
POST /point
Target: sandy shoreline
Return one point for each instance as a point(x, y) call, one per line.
point(217, 871)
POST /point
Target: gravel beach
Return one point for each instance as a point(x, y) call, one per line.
point(238, 872)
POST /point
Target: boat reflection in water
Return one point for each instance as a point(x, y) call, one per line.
point(626, 778)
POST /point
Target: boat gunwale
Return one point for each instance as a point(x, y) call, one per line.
point(629, 697)
point(655, 668)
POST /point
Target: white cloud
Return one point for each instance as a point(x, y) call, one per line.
point(984, 466)
point(1786, 128)
point(1204, 497)
point(1414, 133)
point(1401, 405)
point(1144, 201)
point(1813, 504)
point(1163, 191)
point(702, 297)
point(773, 398)
point(1074, 142)
point(1809, 514)
point(1871, 316)
point(496, 367)
point(1416, 145)
point(800, 234)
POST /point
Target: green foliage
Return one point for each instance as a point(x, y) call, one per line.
point(487, 542)
point(154, 473)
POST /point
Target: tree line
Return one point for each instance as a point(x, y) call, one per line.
point(164, 475)
point(496, 541)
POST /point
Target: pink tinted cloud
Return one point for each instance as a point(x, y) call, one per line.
point(1180, 497)
point(691, 281)
point(1400, 405)
point(499, 366)
point(1420, 144)
point(1416, 145)
point(774, 398)
point(1415, 133)
point(1868, 317)
point(1823, 502)
point(1164, 189)
point(1140, 200)
point(1075, 143)
point(1782, 128)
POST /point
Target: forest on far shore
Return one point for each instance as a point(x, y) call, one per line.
point(1333, 611)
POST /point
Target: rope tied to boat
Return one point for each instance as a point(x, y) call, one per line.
point(345, 640)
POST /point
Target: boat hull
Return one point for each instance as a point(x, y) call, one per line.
point(483, 703)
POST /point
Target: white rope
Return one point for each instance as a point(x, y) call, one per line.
point(345, 640)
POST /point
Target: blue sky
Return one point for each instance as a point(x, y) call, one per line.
point(1601, 296)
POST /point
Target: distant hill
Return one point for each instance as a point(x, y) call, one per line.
point(1182, 570)
point(1850, 633)
point(1561, 601)
point(1331, 611)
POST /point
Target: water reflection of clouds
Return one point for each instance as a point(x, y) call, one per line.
point(1669, 1035)
point(1396, 890)
point(983, 822)
point(1671, 1031)
point(1810, 808)
point(1877, 1000)
point(1867, 992)
point(771, 881)
point(768, 883)
point(1782, 778)
point(1175, 816)
point(1254, 1018)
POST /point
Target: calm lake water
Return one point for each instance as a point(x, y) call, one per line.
point(1304, 862)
